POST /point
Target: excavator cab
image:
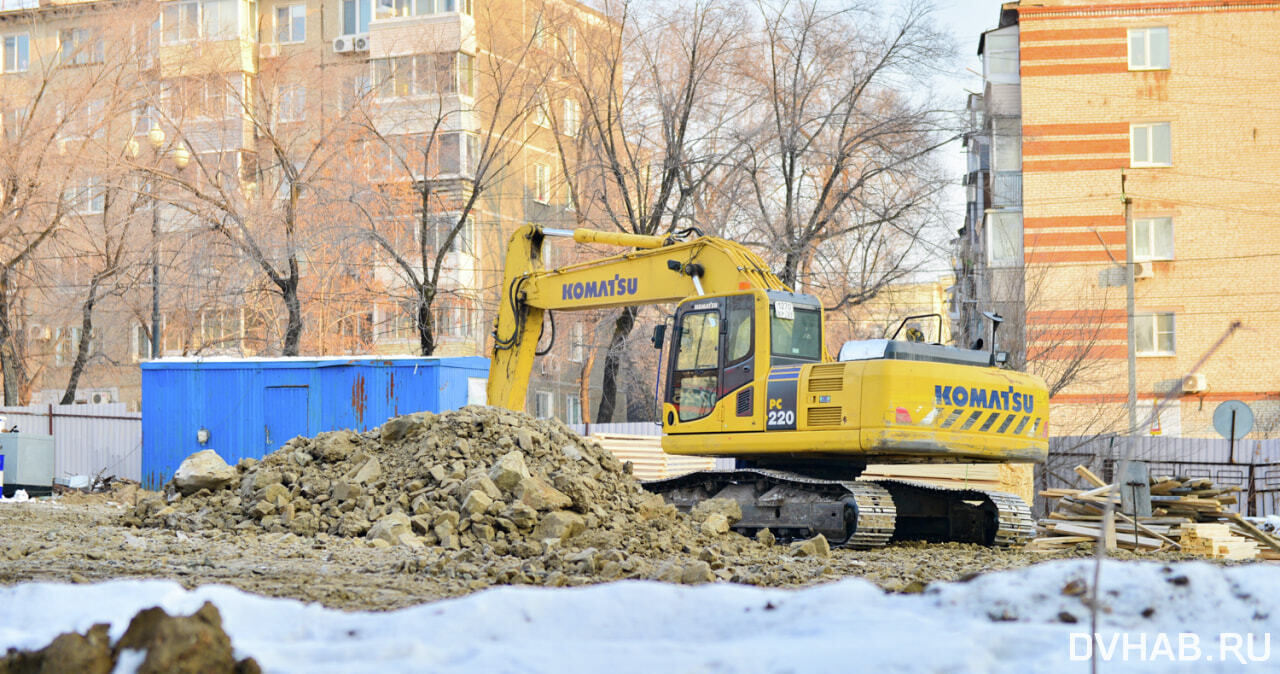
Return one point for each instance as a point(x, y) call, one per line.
point(721, 344)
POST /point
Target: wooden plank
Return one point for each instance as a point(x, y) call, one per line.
point(1089, 476)
point(1259, 534)
point(1141, 527)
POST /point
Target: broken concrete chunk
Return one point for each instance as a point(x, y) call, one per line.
point(727, 507)
point(559, 525)
point(203, 470)
point(814, 547)
point(541, 496)
point(509, 470)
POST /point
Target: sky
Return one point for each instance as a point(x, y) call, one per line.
point(965, 20)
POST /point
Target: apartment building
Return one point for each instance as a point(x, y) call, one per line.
point(238, 113)
point(1155, 115)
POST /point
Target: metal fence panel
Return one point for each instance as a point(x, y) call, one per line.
point(1252, 465)
point(87, 439)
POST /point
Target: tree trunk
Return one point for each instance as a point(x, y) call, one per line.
point(10, 363)
point(426, 322)
point(790, 270)
point(293, 332)
point(609, 381)
point(82, 349)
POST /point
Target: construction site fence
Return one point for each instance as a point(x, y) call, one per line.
point(1253, 465)
point(97, 440)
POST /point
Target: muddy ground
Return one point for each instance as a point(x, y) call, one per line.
point(82, 540)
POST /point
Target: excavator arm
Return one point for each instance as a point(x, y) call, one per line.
point(657, 270)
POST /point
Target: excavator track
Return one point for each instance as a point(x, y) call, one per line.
point(860, 514)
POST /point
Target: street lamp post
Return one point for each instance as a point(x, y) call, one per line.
point(156, 138)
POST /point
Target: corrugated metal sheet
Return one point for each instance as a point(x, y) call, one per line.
point(87, 439)
point(648, 461)
point(626, 428)
point(254, 405)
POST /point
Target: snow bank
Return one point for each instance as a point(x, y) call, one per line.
point(1001, 622)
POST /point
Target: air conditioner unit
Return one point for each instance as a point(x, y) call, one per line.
point(1195, 383)
point(1143, 270)
point(351, 43)
point(268, 50)
point(99, 397)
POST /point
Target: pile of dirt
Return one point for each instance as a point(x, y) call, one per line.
point(486, 494)
point(154, 642)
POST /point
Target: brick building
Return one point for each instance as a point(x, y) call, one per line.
point(1168, 105)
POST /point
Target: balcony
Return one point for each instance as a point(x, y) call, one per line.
point(1006, 189)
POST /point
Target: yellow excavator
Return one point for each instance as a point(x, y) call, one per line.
point(747, 377)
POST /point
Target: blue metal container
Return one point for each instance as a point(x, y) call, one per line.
point(249, 407)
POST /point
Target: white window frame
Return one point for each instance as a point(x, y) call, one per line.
point(355, 22)
point(541, 183)
point(1154, 348)
point(572, 117)
point(17, 52)
point(1151, 225)
point(226, 28)
point(1148, 129)
point(572, 409)
point(291, 103)
point(87, 196)
point(547, 400)
point(1145, 56)
point(292, 12)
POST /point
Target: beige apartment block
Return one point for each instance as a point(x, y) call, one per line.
point(347, 90)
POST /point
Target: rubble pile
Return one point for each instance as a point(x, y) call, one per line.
point(154, 642)
point(490, 494)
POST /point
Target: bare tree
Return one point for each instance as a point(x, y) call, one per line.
point(441, 162)
point(251, 195)
point(656, 126)
point(841, 160)
point(51, 119)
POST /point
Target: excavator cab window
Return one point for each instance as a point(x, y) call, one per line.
point(795, 332)
point(696, 376)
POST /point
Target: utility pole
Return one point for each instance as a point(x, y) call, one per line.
point(1129, 309)
point(155, 274)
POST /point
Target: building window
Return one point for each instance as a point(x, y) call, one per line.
point(77, 46)
point(1001, 53)
point(540, 116)
point(86, 196)
point(442, 73)
point(355, 16)
point(542, 183)
point(141, 343)
point(466, 74)
point(571, 117)
point(293, 103)
point(577, 343)
point(443, 224)
point(544, 405)
point(291, 24)
point(572, 409)
point(1150, 144)
point(1004, 239)
point(187, 20)
point(17, 53)
point(1149, 48)
point(208, 97)
point(1153, 334)
point(1153, 239)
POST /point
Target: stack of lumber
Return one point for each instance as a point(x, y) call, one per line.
point(1014, 478)
point(1217, 540)
point(648, 461)
point(1188, 514)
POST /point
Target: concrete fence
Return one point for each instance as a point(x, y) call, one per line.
point(88, 440)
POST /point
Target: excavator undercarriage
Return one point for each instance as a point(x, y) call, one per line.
point(855, 513)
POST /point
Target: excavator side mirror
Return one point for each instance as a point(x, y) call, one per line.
point(659, 334)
